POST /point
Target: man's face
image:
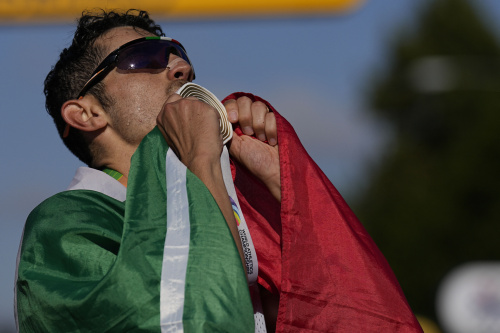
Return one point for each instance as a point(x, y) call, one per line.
point(138, 96)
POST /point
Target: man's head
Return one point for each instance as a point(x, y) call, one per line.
point(126, 101)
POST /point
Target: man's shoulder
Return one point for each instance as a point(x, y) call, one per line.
point(75, 209)
point(92, 200)
point(77, 200)
point(91, 192)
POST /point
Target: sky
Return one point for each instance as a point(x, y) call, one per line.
point(314, 70)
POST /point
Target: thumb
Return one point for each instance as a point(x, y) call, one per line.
point(235, 146)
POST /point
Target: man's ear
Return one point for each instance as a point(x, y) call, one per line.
point(84, 115)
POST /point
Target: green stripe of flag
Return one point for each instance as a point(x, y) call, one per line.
point(91, 261)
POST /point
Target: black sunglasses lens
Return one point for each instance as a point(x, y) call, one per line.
point(148, 55)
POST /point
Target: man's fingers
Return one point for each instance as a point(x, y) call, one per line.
point(232, 110)
point(162, 114)
point(245, 115)
point(183, 110)
point(271, 129)
point(172, 98)
point(254, 118)
point(259, 112)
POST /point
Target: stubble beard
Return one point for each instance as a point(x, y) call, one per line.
point(126, 127)
point(172, 89)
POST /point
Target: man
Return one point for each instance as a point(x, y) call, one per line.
point(161, 247)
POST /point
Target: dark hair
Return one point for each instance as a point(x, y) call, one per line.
point(77, 62)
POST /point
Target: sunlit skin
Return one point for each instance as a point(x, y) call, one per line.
point(139, 97)
point(144, 99)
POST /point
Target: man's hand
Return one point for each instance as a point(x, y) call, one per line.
point(260, 158)
point(191, 129)
point(254, 118)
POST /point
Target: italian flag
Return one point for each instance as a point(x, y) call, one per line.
point(161, 261)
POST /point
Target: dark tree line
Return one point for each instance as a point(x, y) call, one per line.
point(434, 201)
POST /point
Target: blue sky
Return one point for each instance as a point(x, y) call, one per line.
point(314, 70)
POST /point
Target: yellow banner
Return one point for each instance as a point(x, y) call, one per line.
point(57, 10)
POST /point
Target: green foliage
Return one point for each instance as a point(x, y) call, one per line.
point(434, 202)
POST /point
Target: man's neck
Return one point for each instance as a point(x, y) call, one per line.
point(118, 173)
point(119, 164)
point(115, 154)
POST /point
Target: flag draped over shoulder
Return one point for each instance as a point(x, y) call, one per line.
point(315, 254)
point(162, 261)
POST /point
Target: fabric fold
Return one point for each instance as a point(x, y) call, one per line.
point(316, 255)
point(89, 260)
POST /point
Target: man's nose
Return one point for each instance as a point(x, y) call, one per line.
point(178, 69)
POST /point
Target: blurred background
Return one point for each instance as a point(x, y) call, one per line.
point(397, 101)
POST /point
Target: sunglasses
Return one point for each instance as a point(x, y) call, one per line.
point(143, 53)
